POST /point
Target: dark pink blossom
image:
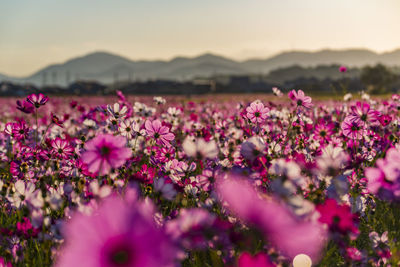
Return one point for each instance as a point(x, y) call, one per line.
point(258, 260)
point(338, 217)
point(37, 99)
point(25, 106)
point(342, 68)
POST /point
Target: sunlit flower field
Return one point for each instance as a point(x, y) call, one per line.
point(252, 181)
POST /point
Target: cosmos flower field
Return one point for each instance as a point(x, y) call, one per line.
point(262, 180)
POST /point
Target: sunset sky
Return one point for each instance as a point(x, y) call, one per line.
point(36, 33)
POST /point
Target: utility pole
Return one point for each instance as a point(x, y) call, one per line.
point(130, 77)
point(44, 74)
point(54, 77)
point(115, 77)
point(67, 78)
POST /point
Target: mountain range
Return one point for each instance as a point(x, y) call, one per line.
point(107, 68)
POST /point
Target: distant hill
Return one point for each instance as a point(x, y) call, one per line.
point(107, 67)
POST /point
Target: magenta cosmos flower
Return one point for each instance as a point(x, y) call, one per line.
point(342, 68)
point(300, 98)
point(258, 260)
point(256, 112)
point(104, 152)
point(116, 234)
point(337, 217)
point(160, 133)
point(37, 99)
point(25, 106)
point(290, 234)
point(61, 148)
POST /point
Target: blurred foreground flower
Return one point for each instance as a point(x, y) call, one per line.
point(200, 148)
point(259, 260)
point(116, 234)
point(288, 233)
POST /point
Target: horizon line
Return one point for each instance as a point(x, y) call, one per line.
point(207, 52)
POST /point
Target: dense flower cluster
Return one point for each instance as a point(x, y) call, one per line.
point(171, 182)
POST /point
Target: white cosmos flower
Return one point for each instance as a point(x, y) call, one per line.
point(200, 148)
point(117, 111)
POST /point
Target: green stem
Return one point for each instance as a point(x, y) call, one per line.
point(37, 126)
point(45, 133)
point(288, 130)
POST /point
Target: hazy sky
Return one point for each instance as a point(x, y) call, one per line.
point(35, 33)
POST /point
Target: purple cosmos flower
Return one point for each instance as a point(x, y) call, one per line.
point(116, 234)
point(104, 152)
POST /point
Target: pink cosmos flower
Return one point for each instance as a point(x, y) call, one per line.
point(385, 179)
point(288, 233)
point(324, 131)
point(363, 112)
point(354, 254)
point(256, 112)
point(104, 152)
point(56, 120)
point(160, 133)
point(61, 148)
point(146, 174)
point(352, 127)
point(165, 154)
point(116, 234)
point(37, 100)
point(300, 98)
point(3, 263)
point(258, 260)
point(20, 130)
point(190, 226)
point(385, 119)
point(342, 68)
